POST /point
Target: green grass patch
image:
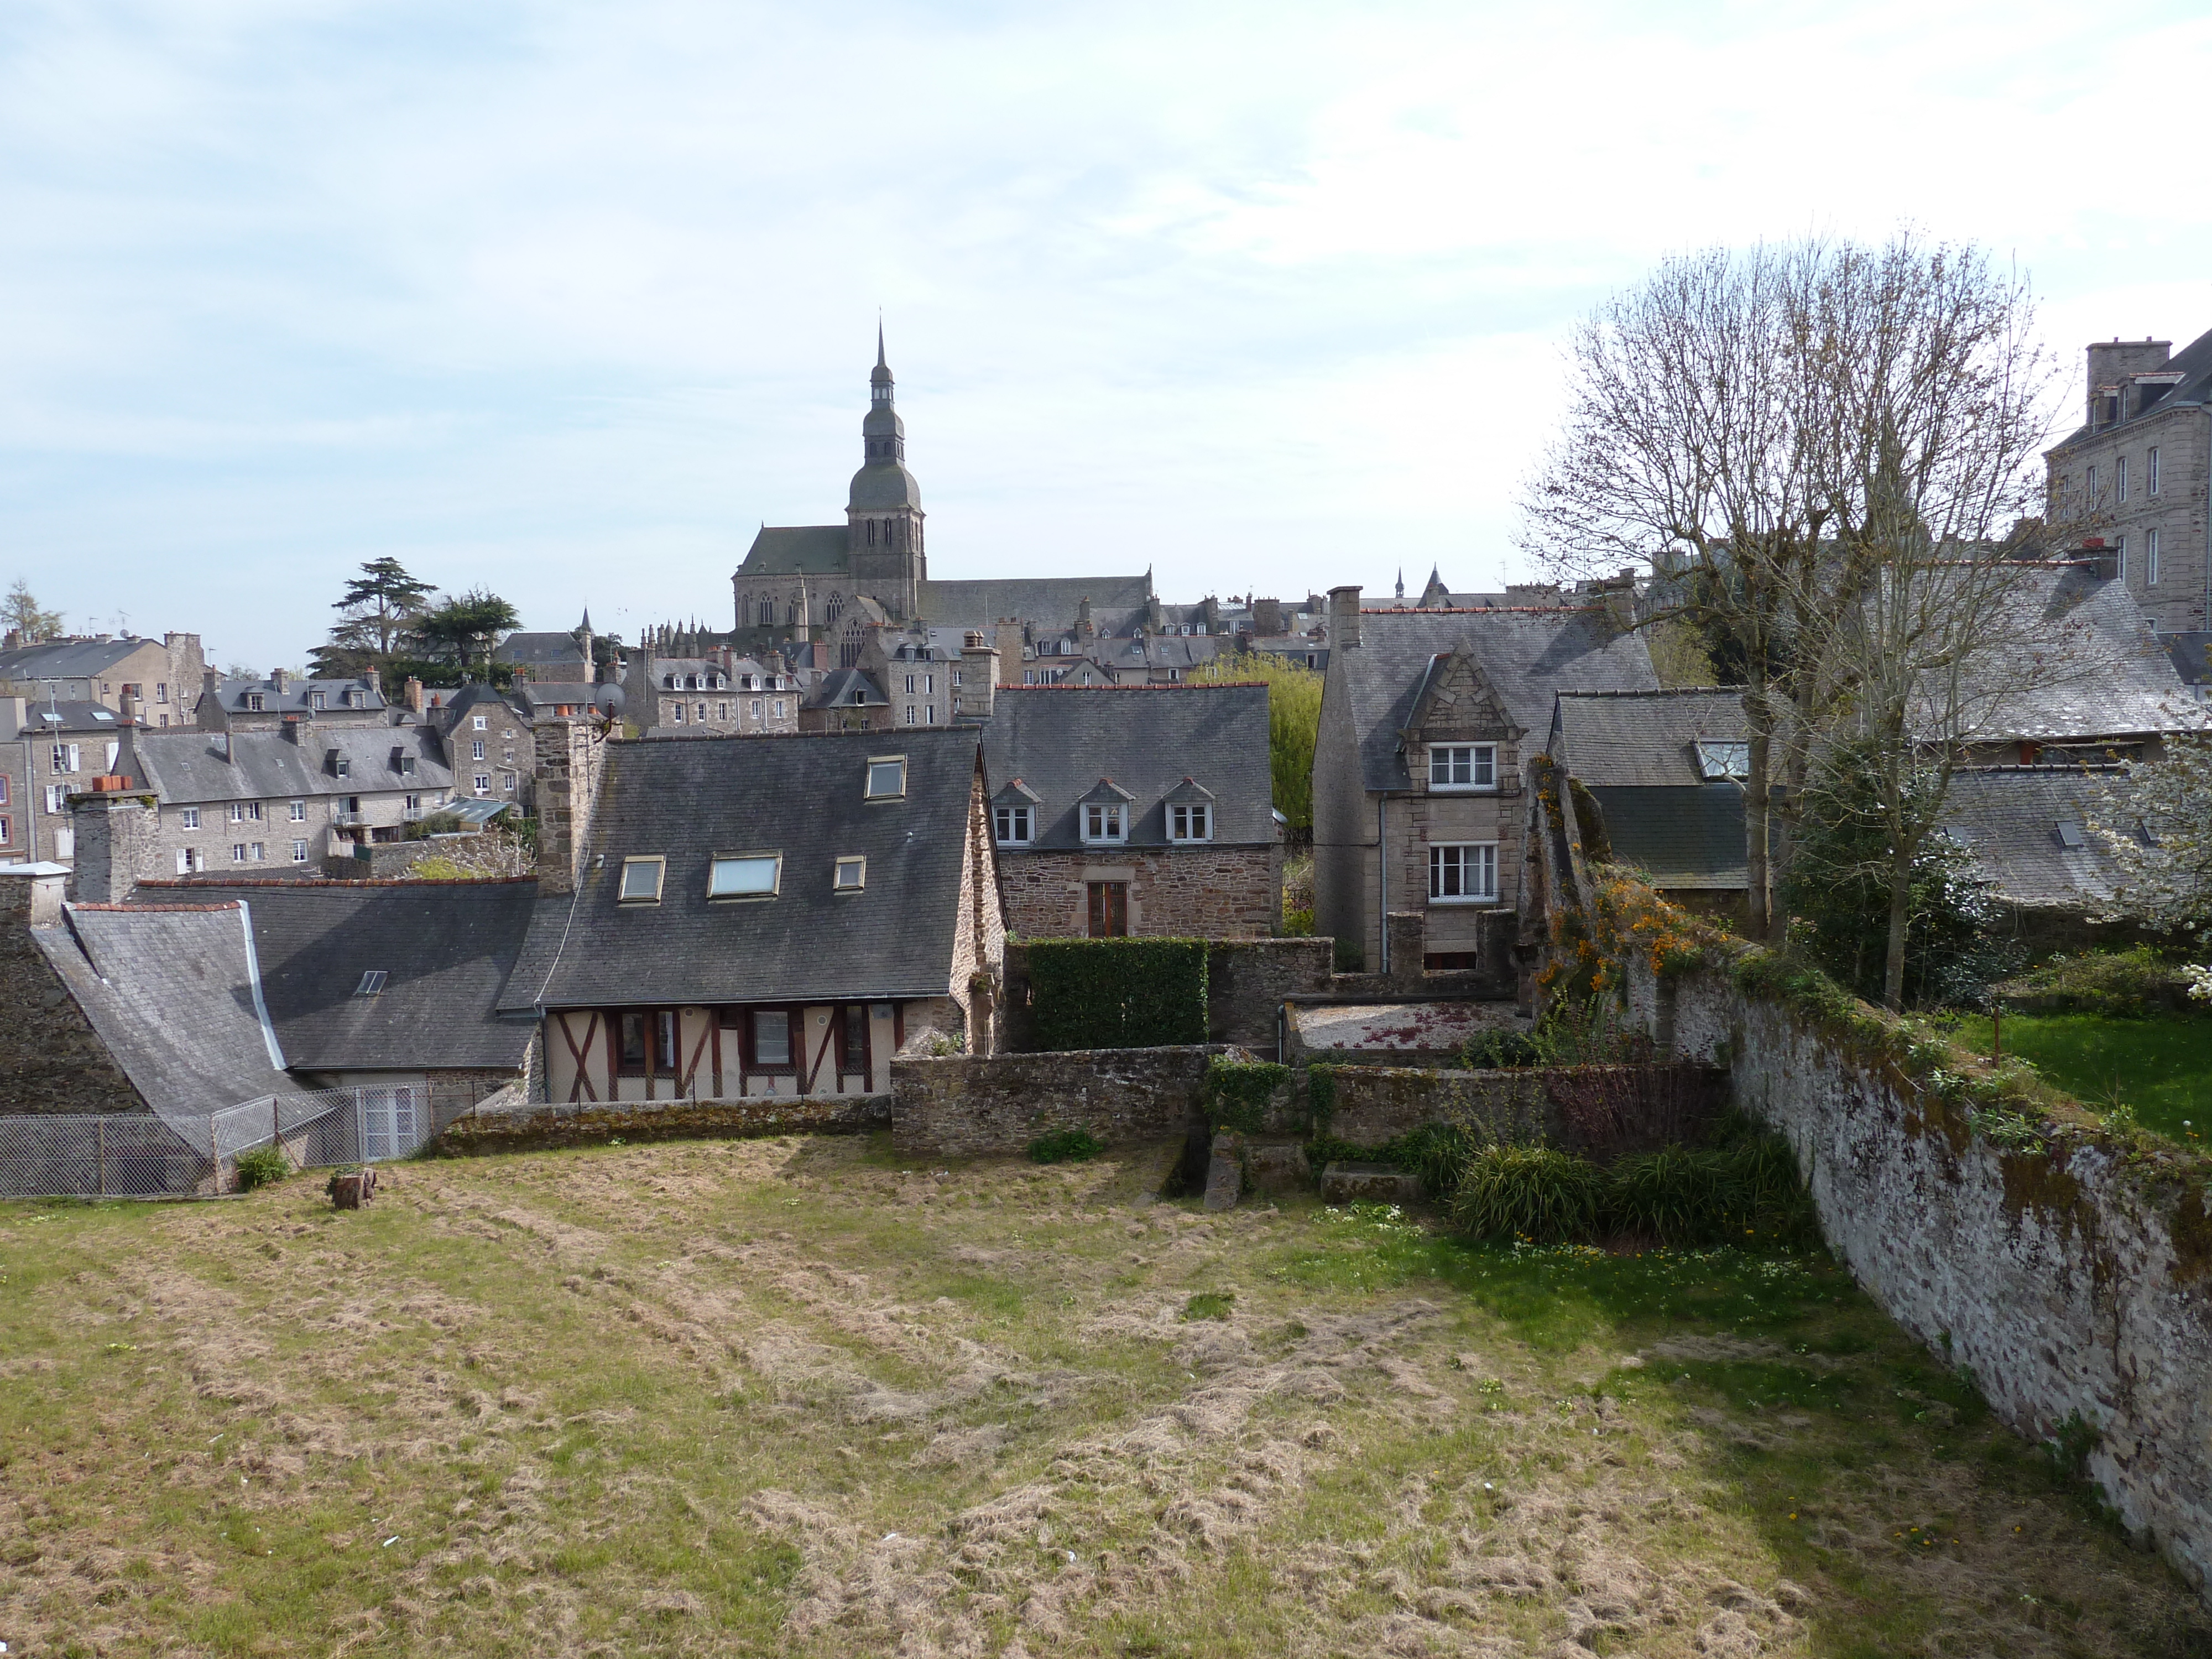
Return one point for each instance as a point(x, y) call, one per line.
point(2161, 1067)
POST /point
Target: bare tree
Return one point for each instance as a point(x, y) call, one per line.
point(23, 615)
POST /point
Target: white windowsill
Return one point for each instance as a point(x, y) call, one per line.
point(1463, 788)
point(1490, 900)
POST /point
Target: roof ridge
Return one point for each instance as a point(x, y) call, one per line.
point(282, 882)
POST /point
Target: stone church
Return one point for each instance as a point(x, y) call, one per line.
point(835, 582)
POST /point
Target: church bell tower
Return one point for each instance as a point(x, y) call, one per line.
point(883, 513)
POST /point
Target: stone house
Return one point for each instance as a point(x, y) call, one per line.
point(49, 751)
point(570, 657)
point(2136, 473)
point(156, 680)
point(1418, 765)
point(725, 917)
point(257, 705)
point(722, 692)
point(1133, 810)
point(271, 801)
point(489, 747)
point(845, 700)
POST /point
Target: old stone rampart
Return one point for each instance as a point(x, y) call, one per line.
point(966, 1106)
point(507, 1123)
point(2069, 1269)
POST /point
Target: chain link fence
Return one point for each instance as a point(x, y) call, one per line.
point(149, 1154)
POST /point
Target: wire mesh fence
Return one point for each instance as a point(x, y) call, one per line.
point(148, 1154)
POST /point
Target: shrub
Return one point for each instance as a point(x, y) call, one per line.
point(1297, 924)
point(1493, 1049)
point(1439, 1153)
point(1117, 992)
point(1529, 1192)
point(1237, 1092)
point(2125, 984)
point(262, 1166)
point(1065, 1146)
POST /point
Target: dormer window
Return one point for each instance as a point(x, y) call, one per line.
point(668, 683)
point(319, 700)
point(1013, 826)
point(1192, 821)
point(641, 879)
point(1104, 821)
point(744, 876)
point(886, 777)
point(253, 702)
point(1467, 765)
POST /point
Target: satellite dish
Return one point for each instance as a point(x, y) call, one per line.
point(608, 700)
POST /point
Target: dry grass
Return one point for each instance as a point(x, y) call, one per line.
point(786, 1397)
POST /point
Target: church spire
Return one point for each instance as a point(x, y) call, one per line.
point(879, 379)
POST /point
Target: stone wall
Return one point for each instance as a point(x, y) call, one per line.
point(964, 1106)
point(51, 1059)
point(1175, 893)
point(533, 1127)
point(2069, 1280)
point(1247, 980)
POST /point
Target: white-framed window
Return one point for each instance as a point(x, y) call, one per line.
point(1104, 821)
point(955, 679)
point(483, 783)
point(2092, 486)
point(1013, 825)
point(909, 713)
point(477, 752)
point(2120, 558)
point(299, 852)
point(698, 711)
point(479, 722)
point(414, 803)
point(744, 875)
point(238, 852)
point(641, 879)
point(2150, 557)
point(909, 685)
point(389, 1124)
point(675, 713)
point(66, 757)
point(238, 811)
point(851, 874)
point(190, 859)
point(161, 686)
point(1463, 873)
point(253, 702)
point(56, 798)
point(1029, 677)
point(929, 714)
point(1462, 766)
point(189, 818)
point(298, 811)
point(2150, 471)
point(2120, 478)
point(886, 777)
point(756, 707)
point(507, 782)
point(721, 711)
point(319, 700)
point(260, 855)
point(1190, 821)
point(779, 708)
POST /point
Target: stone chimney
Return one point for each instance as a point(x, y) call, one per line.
point(571, 758)
point(979, 677)
point(2110, 362)
point(414, 694)
point(127, 705)
point(31, 896)
point(1006, 634)
point(277, 678)
point(1343, 617)
point(297, 729)
point(115, 846)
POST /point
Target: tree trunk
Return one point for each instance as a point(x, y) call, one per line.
point(1758, 883)
point(1900, 902)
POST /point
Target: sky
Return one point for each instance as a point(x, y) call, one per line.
point(564, 300)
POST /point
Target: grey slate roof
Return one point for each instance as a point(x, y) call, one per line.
point(2094, 666)
point(1687, 835)
point(1117, 603)
point(1529, 656)
point(532, 648)
point(807, 550)
point(66, 660)
point(171, 993)
point(882, 484)
point(2194, 363)
point(538, 696)
point(843, 688)
point(2008, 818)
point(298, 696)
point(801, 796)
point(446, 948)
point(1061, 740)
point(188, 767)
point(2190, 653)
point(1643, 738)
point(71, 717)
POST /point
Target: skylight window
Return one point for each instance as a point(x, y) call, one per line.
point(744, 875)
point(1717, 761)
point(371, 983)
point(2070, 837)
point(641, 879)
point(886, 777)
point(852, 873)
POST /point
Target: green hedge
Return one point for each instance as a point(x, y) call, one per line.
point(1238, 1092)
point(1117, 992)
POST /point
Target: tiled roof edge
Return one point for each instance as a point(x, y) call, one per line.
point(281, 882)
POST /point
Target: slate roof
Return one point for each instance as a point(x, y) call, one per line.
point(1642, 738)
point(70, 716)
point(538, 648)
point(538, 696)
point(1060, 740)
point(188, 767)
point(1529, 656)
point(2190, 653)
point(446, 948)
point(1687, 835)
point(2194, 364)
point(801, 796)
point(1118, 603)
point(844, 688)
point(67, 659)
point(2094, 664)
point(298, 696)
point(805, 549)
point(171, 993)
point(2008, 818)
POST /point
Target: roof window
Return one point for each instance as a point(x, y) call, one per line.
point(886, 777)
point(744, 875)
point(852, 874)
point(641, 879)
point(1723, 761)
point(2070, 835)
point(371, 983)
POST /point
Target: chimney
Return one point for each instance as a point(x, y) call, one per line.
point(277, 681)
point(1267, 619)
point(1343, 617)
point(221, 740)
point(29, 899)
point(979, 677)
point(571, 757)
point(1006, 634)
point(414, 694)
point(2110, 362)
point(127, 704)
point(114, 837)
point(294, 729)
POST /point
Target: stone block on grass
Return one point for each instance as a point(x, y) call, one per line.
point(1368, 1183)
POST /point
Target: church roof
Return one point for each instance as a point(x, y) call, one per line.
point(884, 484)
point(1047, 602)
point(808, 549)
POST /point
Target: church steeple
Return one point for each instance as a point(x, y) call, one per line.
point(883, 510)
point(880, 382)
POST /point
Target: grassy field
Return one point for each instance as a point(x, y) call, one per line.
point(788, 1397)
point(2160, 1066)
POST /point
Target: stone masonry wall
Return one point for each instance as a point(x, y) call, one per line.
point(533, 1127)
point(2070, 1279)
point(965, 1106)
point(1175, 893)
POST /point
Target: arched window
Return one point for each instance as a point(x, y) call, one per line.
point(871, 532)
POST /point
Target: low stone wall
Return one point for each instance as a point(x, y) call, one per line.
point(531, 1128)
point(1248, 979)
point(2072, 1279)
point(964, 1106)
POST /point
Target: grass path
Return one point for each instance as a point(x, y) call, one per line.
point(2161, 1065)
point(788, 1397)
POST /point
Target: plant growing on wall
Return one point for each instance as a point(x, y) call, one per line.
point(1117, 992)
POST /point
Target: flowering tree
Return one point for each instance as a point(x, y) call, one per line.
point(2157, 822)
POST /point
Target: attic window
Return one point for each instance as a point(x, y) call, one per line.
point(2070, 837)
point(852, 873)
point(253, 702)
point(744, 876)
point(318, 700)
point(101, 714)
point(1462, 766)
point(886, 777)
point(1192, 821)
point(370, 983)
point(641, 879)
point(1717, 761)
